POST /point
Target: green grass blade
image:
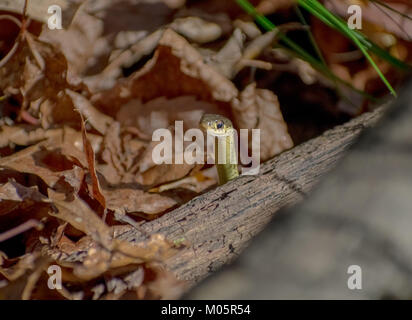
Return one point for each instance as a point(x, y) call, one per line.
point(315, 8)
point(318, 10)
point(296, 50)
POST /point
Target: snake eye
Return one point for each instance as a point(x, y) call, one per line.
point(219, 125)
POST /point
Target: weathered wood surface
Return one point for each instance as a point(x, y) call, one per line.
point(219, 224)
point(360, 214)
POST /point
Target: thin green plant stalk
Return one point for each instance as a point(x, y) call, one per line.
point(311, 36)
point(320, 55)
point(318, 10)
point(297, 50)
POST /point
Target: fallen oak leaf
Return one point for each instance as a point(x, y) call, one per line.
point(259, 109)
point(96, 190)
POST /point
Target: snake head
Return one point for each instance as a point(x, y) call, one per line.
point(216, 124)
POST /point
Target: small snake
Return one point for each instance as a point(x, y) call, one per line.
point(222, 130)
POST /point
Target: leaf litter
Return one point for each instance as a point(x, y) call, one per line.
point(78, 110)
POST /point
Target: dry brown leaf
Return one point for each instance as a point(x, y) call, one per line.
point(96, 119)
point(82, 217)
point(41, 76)
point(196, 29)
point(162, 113)
point(121, 153)
point(81, 43)
point(23, 136)
point(88, 150)
point(14, 195)
point(126, 201)
point(48, 164)
point(198, 182)
point(107, 78)
point(164, 173)
point(259, 109)
point(166, 286)
point(154, 249)
point(132, 161)
point(271, 6)
point(12, 269)
point(98, 261)
point(176, 69)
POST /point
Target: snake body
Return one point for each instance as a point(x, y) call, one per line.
point(222, 130)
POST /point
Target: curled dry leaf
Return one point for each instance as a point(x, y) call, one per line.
point(90, 156)
point(23, 135)
point(176, 69)
point(259, 109)
point(107, 78)
point(196, 29)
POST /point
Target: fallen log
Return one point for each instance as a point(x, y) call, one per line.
point(219, 224)
point(351, 239)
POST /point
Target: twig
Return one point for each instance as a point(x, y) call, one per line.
point(9, 55)
point(32, 223)
point(11, 18)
